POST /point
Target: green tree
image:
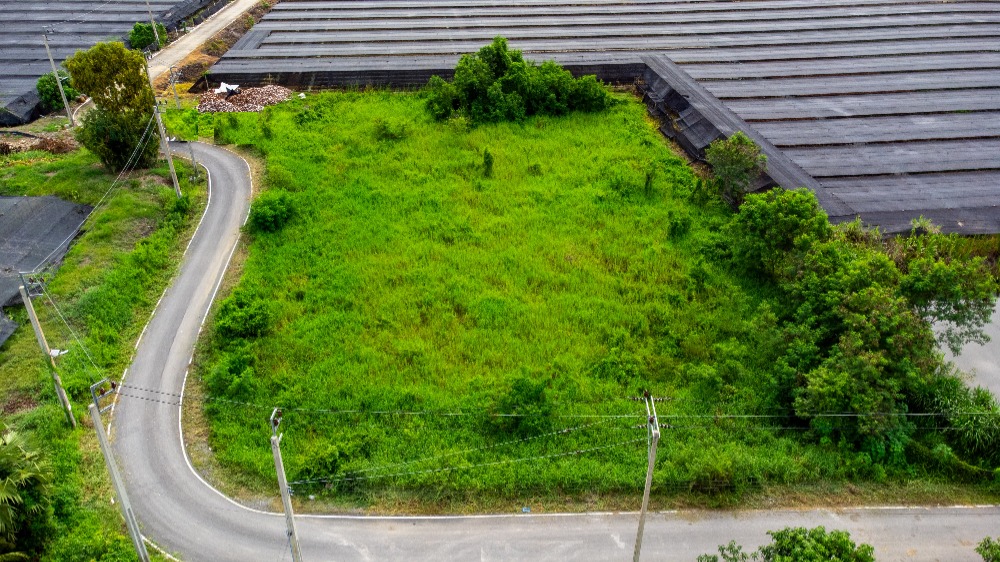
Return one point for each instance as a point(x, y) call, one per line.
point(737, 164)
point(989, 549)
point(24, 502)
point(115, 78)
point(799, 544)
point(142, 36)
point(48, 90)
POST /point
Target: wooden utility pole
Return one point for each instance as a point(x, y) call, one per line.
point(286, 496)
point(164, 145)
point(116, 480)
point(653, 427)
point(55, 73)
point(42, 343)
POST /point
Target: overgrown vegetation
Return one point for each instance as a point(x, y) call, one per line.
point(798, 544)
point(106, 287)
point(48, 91)
point(498, 84)
point(989, 549)
point(528, 275)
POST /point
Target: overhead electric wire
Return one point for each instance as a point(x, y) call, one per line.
point(129, 166)
point(575, 452)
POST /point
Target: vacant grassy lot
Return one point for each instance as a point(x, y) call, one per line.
point(105, 288)
point(432, 326)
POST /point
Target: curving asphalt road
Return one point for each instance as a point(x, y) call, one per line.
point(185, 516)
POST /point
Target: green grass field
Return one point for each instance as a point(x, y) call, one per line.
point(408, 285)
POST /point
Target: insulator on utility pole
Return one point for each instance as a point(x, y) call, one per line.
point(286, 496)
point(116, 480)
point(55, 74)
point(653, 427)
point(164, 145)
point(44, 344)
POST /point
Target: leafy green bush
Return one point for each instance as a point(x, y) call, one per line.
point(142, 36)
point(270, 211)
point(243, 315)
point(498, 84)
point(989, 549)
point(737, 164)
point(48, 90)
point(799, 545)
point(115, 137)
point(525, 409)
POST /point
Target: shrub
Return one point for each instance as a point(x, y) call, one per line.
point(498, 84)
point(529, 403)
point(391, 129)
point(48, 90)
point(114, 137)
point(53, 146)
point(270, 211)
point(243, 315)
point(142, 35)
point(989, 549)
point(487, 163)
point(737, 164)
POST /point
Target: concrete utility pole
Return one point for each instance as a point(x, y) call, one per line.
point(40, 336)
point(55, 72)
point(653, 427)
point(152, 22)
point(286, 496)
point(164, 145)
point(116, 480)
point(173, 82)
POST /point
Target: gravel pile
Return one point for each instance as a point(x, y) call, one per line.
point(249, 99)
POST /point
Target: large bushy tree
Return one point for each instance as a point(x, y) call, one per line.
point(114, 77)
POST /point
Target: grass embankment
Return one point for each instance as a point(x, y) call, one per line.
point(580, 272)
point(106, 287)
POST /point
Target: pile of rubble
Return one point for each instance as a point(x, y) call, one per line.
point(242, 99)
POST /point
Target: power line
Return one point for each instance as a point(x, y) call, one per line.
point(484, 448)
point(576, 452)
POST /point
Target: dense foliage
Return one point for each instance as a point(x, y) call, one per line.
point(498, 84)
point(521, 274)
point(858, 313)
point(114, 77)
point(48, 90)
point(798, 544)
point(142, 36)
